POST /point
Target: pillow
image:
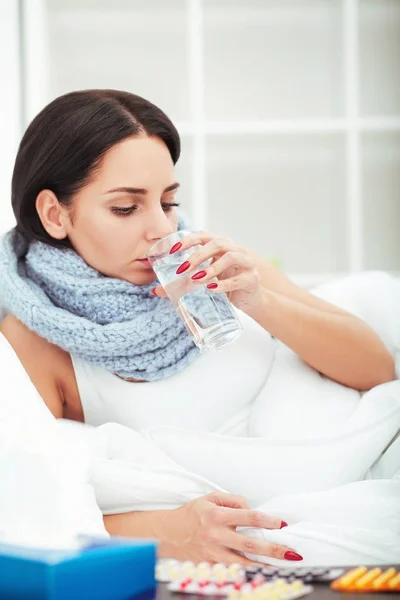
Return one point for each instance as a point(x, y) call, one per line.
point(260, 468)
point(374, 296)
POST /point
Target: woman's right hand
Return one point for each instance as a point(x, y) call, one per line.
point(205, 530)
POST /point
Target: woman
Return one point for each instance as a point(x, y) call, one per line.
point(93, 188)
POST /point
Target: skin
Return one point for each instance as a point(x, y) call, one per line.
point(141, 163)
point(332, 341)
point(113, 239)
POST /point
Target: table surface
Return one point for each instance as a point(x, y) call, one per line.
point(322, 591)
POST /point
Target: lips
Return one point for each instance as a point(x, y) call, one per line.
point(154, 257)
point(144, 262)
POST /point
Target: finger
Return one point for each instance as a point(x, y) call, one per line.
point(193, 239)
point(227, 260)
point(158, 291)
point(249, 545)
point(214, 248)
point(227, 557)
point(250, 518)
point(246, 281)
point(230, 500)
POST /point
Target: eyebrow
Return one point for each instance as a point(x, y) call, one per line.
point(141, 191)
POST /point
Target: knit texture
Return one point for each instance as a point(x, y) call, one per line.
point(105, 321)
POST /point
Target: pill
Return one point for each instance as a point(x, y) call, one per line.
point(365, 580)
point(185, 582)
point(285, 572)
point(383, 578)
point(318, 572)
point(394, 583)
point(274, 595)
point(253, 569)
point(260, 591)
point(268, 571)
point(174, 574)
point(234, 570)
point(297, 585)
point(301, 571)
point(348, 578)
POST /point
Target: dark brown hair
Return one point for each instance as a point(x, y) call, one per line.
point(64, 145)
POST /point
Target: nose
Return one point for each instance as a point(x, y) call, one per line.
point(158, 225)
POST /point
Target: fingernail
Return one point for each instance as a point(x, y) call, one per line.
point(283, 524)
point(212, 286)
point(289, 555)
point(199, 275)
point(184, 267)
point(175, 247)
point(152, 292)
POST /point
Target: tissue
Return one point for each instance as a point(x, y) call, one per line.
point(46, 500)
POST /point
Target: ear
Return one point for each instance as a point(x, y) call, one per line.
point(53, 215)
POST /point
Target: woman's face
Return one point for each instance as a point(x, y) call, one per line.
point(127, 207)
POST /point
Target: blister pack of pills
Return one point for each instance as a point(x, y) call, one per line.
point(305, 574)
point(233, 581)
point(169, 570)
point(372, 579)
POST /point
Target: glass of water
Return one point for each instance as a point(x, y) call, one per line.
point(209, 317)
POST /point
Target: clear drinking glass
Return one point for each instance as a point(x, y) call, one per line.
point(209, 317)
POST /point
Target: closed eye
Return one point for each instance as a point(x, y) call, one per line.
point(168, 206)
point(123, 211)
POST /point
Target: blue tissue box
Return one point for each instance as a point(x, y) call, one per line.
point(107, 569)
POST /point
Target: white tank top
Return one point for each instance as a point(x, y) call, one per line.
point(212, 394)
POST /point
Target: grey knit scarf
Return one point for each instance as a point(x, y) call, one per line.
point(105, 321)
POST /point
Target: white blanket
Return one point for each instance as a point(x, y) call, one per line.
point(327, 461)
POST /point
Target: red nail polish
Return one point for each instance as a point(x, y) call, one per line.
point(283, 524)
point(175, 247)
point(184, 267)
point(289, 555)
point(212, 286)
point(199, 275)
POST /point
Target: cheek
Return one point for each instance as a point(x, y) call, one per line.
point(103, 240)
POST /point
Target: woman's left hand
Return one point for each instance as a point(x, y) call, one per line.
point(232, 264)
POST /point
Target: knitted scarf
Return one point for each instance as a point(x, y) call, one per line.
point(105, 321)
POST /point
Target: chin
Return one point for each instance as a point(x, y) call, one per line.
point(141, 278)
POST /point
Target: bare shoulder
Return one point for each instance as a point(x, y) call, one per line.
point(31, 348)
point(48, 366)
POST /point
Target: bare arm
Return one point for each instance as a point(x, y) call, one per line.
point(48, 367)
point(274, 280)
point(336, 343)
point(146, 524)
point(203, 529)
point(161, 525)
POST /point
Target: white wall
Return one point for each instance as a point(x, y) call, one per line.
point(289, 112)
point(10, 106)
